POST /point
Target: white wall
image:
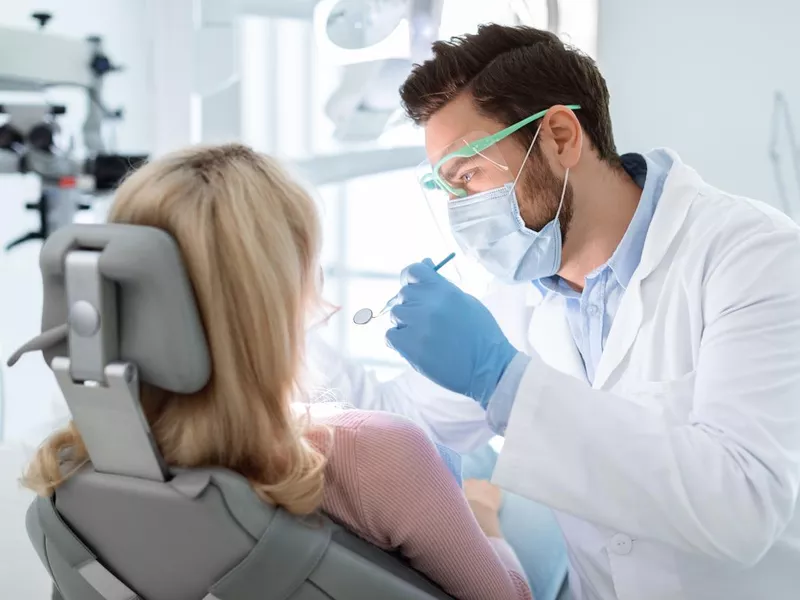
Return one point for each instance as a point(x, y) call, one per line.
point(29, 388)
point(699, 76)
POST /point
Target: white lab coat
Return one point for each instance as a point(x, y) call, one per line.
point(676, 474)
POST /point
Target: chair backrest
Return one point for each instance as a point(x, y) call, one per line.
point(119, 311)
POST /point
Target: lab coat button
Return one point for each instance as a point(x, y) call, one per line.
point(621, 544)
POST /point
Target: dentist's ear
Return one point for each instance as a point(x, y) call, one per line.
point(563, 132)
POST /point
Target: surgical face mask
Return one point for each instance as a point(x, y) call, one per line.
point(488, 227)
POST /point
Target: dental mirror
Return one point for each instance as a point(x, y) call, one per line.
point(362, 316)
point(365, 315)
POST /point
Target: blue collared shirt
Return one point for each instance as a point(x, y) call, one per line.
point(591, 312)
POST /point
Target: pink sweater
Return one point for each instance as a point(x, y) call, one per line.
point(386, 482)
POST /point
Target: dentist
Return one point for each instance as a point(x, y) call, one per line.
point(641, 351)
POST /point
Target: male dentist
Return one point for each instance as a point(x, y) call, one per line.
point(641, 353)
point(652, 396)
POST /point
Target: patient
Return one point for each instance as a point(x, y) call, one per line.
point(250, 240)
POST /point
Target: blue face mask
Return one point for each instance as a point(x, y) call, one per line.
point(488, 227)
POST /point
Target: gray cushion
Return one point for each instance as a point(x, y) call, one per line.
point(205, 530)
point(159, 326)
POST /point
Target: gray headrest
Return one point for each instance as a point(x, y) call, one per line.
point(160, 330)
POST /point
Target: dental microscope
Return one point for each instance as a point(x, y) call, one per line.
point(32, 62)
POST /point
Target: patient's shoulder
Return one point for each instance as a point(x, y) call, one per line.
point(375, 428)
point(373, 458)
point(363, 439)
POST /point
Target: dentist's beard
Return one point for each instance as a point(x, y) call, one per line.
point(539, 195)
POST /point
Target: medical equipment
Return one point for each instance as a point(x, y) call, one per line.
point(365, 315)
point(473, 163)
point(35, 62)
point(355, 24)
point(119, 311)
point(377, 43)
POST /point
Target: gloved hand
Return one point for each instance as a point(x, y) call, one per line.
point(448, 335)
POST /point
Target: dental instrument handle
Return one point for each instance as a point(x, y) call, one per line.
point(396, 297)
point(446, 260)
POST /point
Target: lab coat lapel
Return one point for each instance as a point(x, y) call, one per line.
point(680, 189)
point(549, 335)
point(622, 334)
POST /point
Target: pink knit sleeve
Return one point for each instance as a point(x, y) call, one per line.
point(410, 501)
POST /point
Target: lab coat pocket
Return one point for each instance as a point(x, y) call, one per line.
point(673, 397)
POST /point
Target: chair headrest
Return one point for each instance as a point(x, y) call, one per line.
point(159, 328)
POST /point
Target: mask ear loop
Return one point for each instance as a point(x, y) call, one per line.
point(525, 160)
point(563, 193)
point(564, 187)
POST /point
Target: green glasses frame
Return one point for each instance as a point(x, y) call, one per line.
point(432, 180)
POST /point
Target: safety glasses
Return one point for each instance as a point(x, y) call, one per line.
point(475, 166)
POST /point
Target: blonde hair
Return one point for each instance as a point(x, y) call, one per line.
point(250, 239)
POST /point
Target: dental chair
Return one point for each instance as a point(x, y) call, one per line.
point(119, 312)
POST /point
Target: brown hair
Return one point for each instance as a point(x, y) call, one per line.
point(250, 239)
point(512, 73)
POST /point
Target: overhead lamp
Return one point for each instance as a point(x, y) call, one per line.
point(353, 31)
point(376, 43)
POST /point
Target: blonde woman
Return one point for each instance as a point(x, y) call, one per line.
point(250, 239)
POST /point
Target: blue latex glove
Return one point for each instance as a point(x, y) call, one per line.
point(448, 335)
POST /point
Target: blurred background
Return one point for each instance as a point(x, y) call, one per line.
point(88, 87)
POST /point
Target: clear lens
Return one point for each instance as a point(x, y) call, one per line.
point(462, 169)
point(466, 167)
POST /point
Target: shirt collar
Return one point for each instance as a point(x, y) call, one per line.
point(650, 177)
point(557, 285)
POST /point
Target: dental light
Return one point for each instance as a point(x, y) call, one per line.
point(376, 43)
